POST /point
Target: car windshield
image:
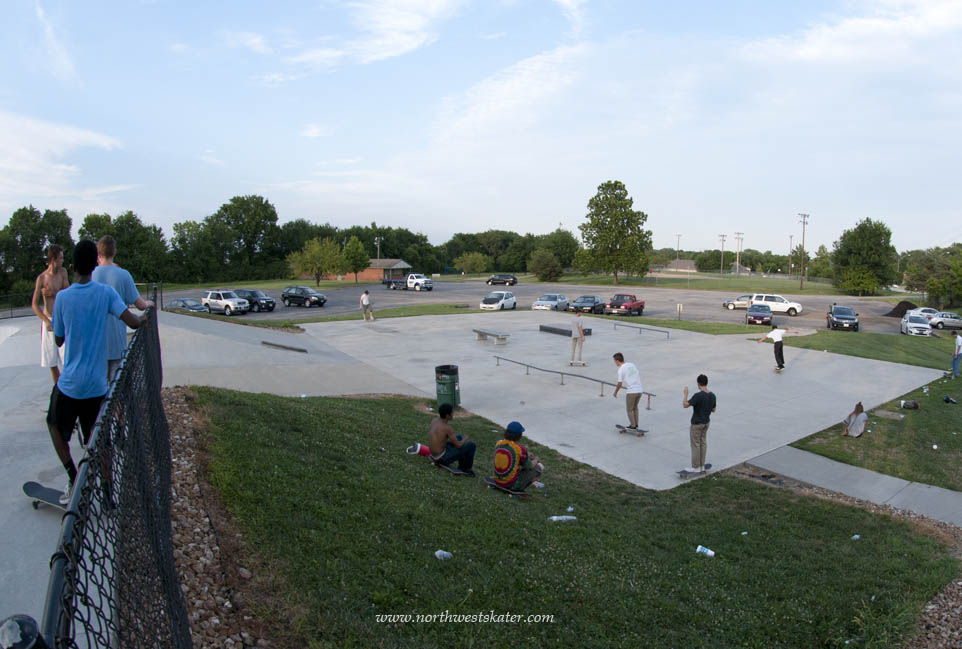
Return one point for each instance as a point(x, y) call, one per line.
point(585, 298)
point(844, 310)
point(621, 298)
point(228, 295)
point(258, 294)
point(548, 298)
point(190, 302)
point(494, 296)
point(761, 308)
point(917, 319)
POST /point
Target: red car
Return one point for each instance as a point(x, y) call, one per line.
point(759, 314)
point(624, 304)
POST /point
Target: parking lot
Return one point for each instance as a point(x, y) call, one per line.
point(660, 303)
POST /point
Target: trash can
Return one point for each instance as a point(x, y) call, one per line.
point(447, 385)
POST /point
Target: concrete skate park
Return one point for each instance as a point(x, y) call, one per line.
point(759, 411)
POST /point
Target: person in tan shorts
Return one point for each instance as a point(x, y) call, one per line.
point(49, 283)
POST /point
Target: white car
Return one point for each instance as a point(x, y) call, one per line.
point(915, 324)
point(776, 303)
point(551, 302)
point(926, 311)
point(498, 301)
point(946, 319)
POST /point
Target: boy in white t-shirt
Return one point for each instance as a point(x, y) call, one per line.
point(776, 334)
point(629, 378)
point(855, 422)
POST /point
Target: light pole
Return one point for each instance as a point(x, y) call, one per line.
point(790, 255)
point(801, 275)
point(738, 253)
point(721, 264)
point(377, 242)
point(677, 247)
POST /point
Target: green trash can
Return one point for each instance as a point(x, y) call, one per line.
point(447, 385)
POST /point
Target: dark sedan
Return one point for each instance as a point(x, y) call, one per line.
point(302, 296)
point(259, 300)
point(185, 304)
point(841, 317)
point(507, 280)
point(759, 314)
point(588, 304)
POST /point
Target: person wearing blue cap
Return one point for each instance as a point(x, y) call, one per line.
point(514, 469)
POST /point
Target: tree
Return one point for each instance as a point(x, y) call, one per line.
point(613, 234)
point(562, 243)
point(858, 280)
point(868, 246)
point(317, 258)
point(24, 240)
point(821, 266)
point(252, 221)
point(515, 258)
point(473, 262)
point(545, 265)
point(710, 261)
point(355, 256)
point(95, 226)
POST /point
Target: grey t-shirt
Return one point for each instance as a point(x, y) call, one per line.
point(574, 327)
point(856, 424)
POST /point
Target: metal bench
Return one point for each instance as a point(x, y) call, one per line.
point(562, 331)
point(499, 338)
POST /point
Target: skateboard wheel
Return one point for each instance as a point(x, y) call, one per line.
point(35, 504)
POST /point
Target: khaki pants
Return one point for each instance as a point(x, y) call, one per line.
point(631, 405)
point(699, 444)
point(576, 343)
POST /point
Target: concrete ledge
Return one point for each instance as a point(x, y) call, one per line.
point(562, 331)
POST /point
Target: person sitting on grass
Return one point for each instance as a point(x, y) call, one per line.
point(446, 447)
point(855, 422)
point(514, 469)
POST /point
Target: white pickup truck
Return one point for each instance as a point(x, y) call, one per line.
point(414, 281)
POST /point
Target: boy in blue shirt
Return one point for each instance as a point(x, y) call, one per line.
point(79, 321)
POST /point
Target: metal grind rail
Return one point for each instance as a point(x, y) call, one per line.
point(640, 328)
point(528, 367)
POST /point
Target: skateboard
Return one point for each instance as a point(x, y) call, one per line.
point(577, 364)
point(45, 495)
point(453, 469)
point(638, 432)
point(488, 480)
point(684, 474)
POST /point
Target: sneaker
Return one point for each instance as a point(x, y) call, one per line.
point(470, 473)
point(631, 427)
point(68, 491)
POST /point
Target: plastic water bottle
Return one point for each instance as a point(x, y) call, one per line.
point(561, 519)
point(443, 555)
point(856, 537)
point(537, 485)
point(701, 549)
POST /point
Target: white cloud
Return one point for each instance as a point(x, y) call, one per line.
point(33, 156)
point(314, 130)
point(247, 40)
point(318, 58)
point(277, 78)
point(493, 37)
point(574, 12)
point(179, 48)
point(210, 158)
point(58, 59)
point(396, 27)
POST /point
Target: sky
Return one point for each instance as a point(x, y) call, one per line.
point(446, 116)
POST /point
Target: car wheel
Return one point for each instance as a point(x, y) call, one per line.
point(227, 311)
point(514, 306)
point(271, 309)
point(855, 328)
point(417, 287)
point(501, 307)
point(939, 325)
point(792, 312)
point(393, 287)
point(257, 307)
point(286, 302)
point(731, 306)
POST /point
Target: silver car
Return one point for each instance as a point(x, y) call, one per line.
point(946, 320)
point(551, 302)
point(914, 324)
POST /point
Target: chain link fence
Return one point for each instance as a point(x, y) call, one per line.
point(112, 579)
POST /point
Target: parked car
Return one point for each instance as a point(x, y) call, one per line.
point(259, 300)
point(926, 311)
point(551, 302)
point(185, 304)
point(841, 317)
point(915, 324)
point(302, 296)
point(624, 304)
point(224, 302)
point(499, 300)
point(588, 304)
point(413, 281)
point(507, 280)
point(777, 303)
point(759, 314)
point(740, 302)
point(946, 319)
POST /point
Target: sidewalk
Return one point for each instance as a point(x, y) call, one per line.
point(935, 502)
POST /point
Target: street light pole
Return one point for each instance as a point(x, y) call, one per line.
point(677, 247)
point(801, 275)
point(721, 269)
point(738, 254)
point(790, 255)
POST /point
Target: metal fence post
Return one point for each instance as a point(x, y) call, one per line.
point(23, 632)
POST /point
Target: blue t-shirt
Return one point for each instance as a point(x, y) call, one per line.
point(121, 281)
point(79, 317)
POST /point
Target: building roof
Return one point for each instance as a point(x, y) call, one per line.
point(389, 263)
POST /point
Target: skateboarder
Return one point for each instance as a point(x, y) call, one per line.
point(514, 469)
point(79, 321)
point(956, 354)
point(446, 447)
point(702, 404)
point(577, 337)
point(630, 379)
point(777, 334)
point(49, 283)
point(367, 306)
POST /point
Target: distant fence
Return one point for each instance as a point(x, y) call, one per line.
point(112, 579)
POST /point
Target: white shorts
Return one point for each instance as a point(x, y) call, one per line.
point(50, 354)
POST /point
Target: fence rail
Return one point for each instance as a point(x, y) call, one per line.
point(528, 367)
point(112, 579)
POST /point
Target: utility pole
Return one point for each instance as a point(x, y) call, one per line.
point(738, 253)
point(790, 255)
point(678, 247)
point(377, 241)
point(722, 264)
point(801, 275)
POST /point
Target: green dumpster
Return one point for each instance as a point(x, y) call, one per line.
point(447, 385)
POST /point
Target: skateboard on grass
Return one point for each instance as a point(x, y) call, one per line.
point(452, 469)
point(46, 495)
point(488, 480)
point(684, 474)
point(637, 432)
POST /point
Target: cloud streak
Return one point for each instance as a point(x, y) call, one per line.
point(395, 27)
point(58, 59)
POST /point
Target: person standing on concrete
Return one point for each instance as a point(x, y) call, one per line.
point(577, 338)
point(79, 322)
point(629, 378)
point(777, 334)
point(107, 272)
point(367, 306)
point(48, 284)
point(956, 354)
point(702, 404)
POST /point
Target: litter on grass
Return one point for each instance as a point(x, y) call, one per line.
point(562, 519)
point(570, 509)
point(856, 537)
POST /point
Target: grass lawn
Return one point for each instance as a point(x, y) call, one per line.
point(705, 282)
point(903, 448)
point(911, 350)
point(342, 525)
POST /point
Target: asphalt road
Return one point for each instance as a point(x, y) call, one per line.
point(663, 303)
